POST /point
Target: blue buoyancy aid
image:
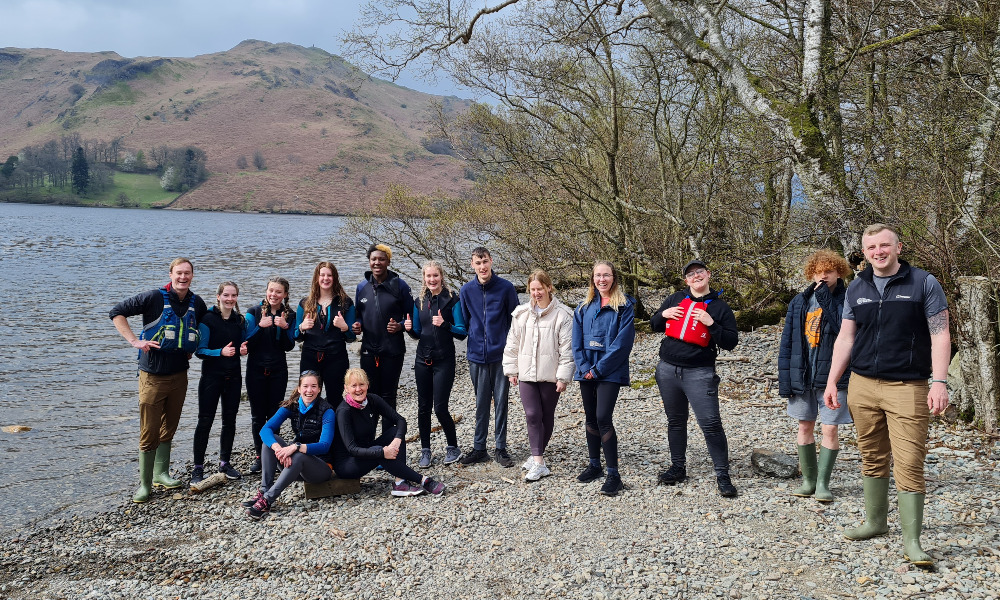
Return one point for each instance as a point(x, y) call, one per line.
point(174, 333)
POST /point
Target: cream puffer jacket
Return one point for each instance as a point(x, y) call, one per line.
point(540, 347)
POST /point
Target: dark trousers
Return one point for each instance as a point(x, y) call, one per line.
point(266, 389)
point(539, 400)
point(383, 377)
point(352, 467)
point(434, 383)
point(697, 387)
point(491, 387)
point(305, 467)
point(211, 388)
point(599, 399)
point(331, 367)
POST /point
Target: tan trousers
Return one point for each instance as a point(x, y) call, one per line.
point(161, 398)
point(891, 418)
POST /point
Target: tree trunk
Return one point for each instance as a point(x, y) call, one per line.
point(977, 342)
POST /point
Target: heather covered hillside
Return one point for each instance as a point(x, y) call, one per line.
point(325, 137)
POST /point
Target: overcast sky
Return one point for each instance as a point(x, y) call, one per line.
point(184, 28)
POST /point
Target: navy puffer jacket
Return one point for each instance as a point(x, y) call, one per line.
point(794, 375)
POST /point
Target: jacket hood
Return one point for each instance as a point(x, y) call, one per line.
point(388, 275)
point(711, 295)
point(553, 305)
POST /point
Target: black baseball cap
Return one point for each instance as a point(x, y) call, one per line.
point(692, 263)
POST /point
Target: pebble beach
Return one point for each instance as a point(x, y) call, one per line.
point(494, 535)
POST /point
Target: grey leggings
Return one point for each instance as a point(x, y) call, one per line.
point(699, 388)
point(306, 467)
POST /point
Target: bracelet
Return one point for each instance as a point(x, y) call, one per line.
point(944, 381)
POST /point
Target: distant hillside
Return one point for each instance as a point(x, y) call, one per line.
point(332, 138)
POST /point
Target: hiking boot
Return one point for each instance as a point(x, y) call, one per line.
point(537, 472)
point(589, 474)
point(435, 488)
point(197, 475)
point(255, 467)
point(252, 501)
point(260, 508)
point(726, 487)
point(229, 471)
point(452, 454)
point(476, 456)
point(612, 485)
point(673, 475)
point(405, 488)
point(503, 459)
point(425, 458)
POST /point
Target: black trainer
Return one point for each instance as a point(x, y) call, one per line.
point(503, 459)
point(590, 473)
point(476, 456)
point(612, 485)
point(673, 475)
point(726, 487)
point(252, 501)
point(255, 467)
point(197, 475)
point(229, 471)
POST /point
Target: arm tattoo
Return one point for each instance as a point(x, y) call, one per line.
point(938, 323)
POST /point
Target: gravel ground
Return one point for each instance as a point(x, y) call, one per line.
point(493, 535)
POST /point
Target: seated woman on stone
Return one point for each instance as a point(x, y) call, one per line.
point(357, 449)
point(305, 458)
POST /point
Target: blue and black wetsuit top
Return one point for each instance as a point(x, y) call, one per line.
point(325, 337)
point(437, 343)
point(216, 333)
point(267, 346)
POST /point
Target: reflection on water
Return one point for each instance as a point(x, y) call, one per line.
point(67, 373)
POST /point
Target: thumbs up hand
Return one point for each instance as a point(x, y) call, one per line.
point(437, 320)
point(243, 349)
point(229, 350)
point(339, 321)
point(408, 323)
point(393, 326)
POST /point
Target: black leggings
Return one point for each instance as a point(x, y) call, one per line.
point(353, 467)
point(211, 387)
point(266, 389)
point(383, 378)
point(434, 383)
point(599, 398)
point(331, 367)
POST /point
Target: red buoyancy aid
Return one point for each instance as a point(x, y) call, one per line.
point(687, 328)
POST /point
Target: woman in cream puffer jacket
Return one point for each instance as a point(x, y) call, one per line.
point(538, 358)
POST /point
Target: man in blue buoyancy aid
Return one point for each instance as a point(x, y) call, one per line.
point(170, 317)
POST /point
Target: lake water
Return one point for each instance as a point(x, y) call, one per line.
point(66, 372)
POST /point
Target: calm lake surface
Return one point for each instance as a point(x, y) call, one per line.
point(66, 372)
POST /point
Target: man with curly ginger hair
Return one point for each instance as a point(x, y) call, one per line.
point(811, 327)
point(894, 335)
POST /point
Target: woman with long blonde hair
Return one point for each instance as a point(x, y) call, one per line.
point(603, 334)
point(436, 322)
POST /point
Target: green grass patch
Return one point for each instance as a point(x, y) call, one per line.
point(638, 384)
point(143, 190)
point(119, 93)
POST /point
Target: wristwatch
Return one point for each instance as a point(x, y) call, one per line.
point(298, 447)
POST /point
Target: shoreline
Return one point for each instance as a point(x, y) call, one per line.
point(494, 535)
point(169, 207)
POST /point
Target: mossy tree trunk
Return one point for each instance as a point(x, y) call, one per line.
point(978, 345)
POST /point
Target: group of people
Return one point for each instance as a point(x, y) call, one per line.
point(541, 347)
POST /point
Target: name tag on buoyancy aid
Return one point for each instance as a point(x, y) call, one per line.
point(174, 333)
point(687, 328)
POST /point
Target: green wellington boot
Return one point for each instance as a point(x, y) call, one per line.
point(911, 521)
point(807, 462)
point(876, 510)
point(145, 477)
point(161, 468)
point(827, 458)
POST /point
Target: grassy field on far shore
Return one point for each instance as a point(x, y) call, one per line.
point(140, 191)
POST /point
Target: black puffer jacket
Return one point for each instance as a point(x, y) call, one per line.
point(794, 376)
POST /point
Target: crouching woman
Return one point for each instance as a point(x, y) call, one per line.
point(304, 459)
point(357, 450)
